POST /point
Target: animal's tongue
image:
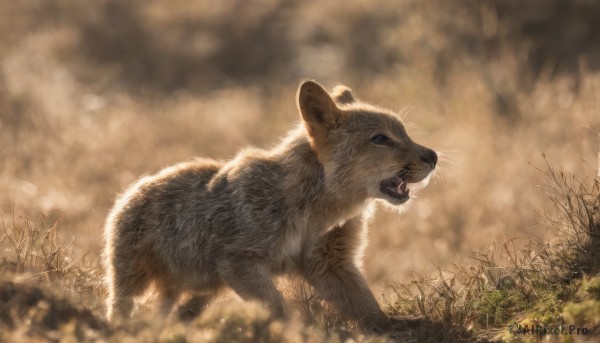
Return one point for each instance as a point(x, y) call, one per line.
point(402, 187)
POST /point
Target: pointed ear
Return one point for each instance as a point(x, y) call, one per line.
point(343, 95)
point(317, 108)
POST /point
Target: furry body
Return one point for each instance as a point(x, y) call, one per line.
point(301, 207)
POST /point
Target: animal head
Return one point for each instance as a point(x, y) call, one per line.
point(365, 150)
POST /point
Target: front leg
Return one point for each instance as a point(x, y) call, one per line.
point(330, 266)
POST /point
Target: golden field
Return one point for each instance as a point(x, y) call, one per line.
point(95, 94)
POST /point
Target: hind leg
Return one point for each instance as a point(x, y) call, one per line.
point(168, 294)
point(123, 287)
point(193, 306)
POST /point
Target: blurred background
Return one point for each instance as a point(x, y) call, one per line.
point(94, 94)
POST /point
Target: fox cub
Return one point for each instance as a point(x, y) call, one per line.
point(301, 207)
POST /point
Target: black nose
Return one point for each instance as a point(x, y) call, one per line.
point(429, 157)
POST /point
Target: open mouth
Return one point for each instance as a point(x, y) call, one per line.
point(396, 188)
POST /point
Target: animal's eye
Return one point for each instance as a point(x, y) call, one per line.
point(381, 140)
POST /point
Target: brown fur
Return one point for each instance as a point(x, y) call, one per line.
point(301, 207)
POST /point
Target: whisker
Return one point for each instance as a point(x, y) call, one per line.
point(447, 151)
point(413, 129)
point(443, 162)
point(404, 111)
point(443, 174)
point(445, 158)
point(446, 145)
point(416, 133)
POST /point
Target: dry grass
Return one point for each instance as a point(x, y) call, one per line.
point(47, 295)
point(539, 283)
point(94, 95)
